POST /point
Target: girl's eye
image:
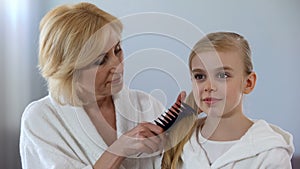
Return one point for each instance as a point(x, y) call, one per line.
point(222, 75)
point(199, 76)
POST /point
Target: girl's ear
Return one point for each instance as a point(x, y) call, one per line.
point(250, 83)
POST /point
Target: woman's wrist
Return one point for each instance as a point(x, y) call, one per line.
point(110, 160)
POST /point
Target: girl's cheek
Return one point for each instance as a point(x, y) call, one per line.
point(196, 92)
point(197, 87)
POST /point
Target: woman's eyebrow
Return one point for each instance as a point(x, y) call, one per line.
point(118, 43)
point(103, 54)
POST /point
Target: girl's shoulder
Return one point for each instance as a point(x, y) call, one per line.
point(268, 136)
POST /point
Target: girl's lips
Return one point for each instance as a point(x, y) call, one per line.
point(211, 100)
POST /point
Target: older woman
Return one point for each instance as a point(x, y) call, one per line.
point(89, 119)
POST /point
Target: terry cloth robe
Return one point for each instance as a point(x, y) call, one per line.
point(264, 146)
point(63, 137)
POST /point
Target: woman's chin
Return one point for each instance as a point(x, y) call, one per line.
point(116, 88)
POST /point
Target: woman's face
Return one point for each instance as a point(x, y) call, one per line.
point(218, 80)
point(104, 77)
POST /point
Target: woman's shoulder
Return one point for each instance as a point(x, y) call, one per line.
point(38, 109)
point(42, 103)
point(143, 98)
point(139, 94)
point(138, 97)
point(129, 101)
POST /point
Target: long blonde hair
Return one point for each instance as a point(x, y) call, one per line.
point(177, 138)
point(218, 41)
point(69, 40)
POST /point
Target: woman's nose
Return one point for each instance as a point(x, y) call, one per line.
point(114, 60)
point(116, 64)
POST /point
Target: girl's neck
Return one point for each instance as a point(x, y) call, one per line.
point(226, 128)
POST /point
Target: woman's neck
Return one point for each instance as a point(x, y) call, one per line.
point(226, 128)
point(101, 103)
point(102, 114)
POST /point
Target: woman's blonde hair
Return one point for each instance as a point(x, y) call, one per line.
point(71, 38)
point(220, 42)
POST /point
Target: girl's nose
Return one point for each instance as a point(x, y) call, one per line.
point(210, 86)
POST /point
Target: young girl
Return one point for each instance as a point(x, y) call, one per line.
point(222, 72)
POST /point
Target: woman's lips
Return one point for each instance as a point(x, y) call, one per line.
point(117, 80)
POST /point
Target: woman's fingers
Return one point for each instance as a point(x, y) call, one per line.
point(155, 130)
point(147, 145)
point(149, 136)
point(181, 97)
point(144, 138)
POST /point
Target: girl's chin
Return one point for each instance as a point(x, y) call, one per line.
point(214, 112)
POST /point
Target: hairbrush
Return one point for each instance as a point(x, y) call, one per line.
point(174, 114)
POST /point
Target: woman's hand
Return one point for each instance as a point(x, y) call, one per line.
point(144, 138)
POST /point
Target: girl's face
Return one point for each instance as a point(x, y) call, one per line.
point(219, 82)
point(104, 77)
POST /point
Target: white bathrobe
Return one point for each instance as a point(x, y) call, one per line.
point(264, 146)
point(63, 137)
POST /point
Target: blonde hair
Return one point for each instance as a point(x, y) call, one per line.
point(177, 138)
point(218, 41)
point(224, 41)
point(70, 40)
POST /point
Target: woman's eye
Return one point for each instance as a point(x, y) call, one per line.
point(199, 76)
point(101, 61)
point(222, 75)
point(118, 49)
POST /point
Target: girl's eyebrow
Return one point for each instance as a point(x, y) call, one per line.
point(197, 70)
point(224, 68)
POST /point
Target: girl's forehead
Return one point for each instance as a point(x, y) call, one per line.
point(213, 60)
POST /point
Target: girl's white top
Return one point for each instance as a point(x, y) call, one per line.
point(263, 146)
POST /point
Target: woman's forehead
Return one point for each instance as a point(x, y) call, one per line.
point(108, 37)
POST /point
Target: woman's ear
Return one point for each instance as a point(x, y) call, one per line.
point(249, 83)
